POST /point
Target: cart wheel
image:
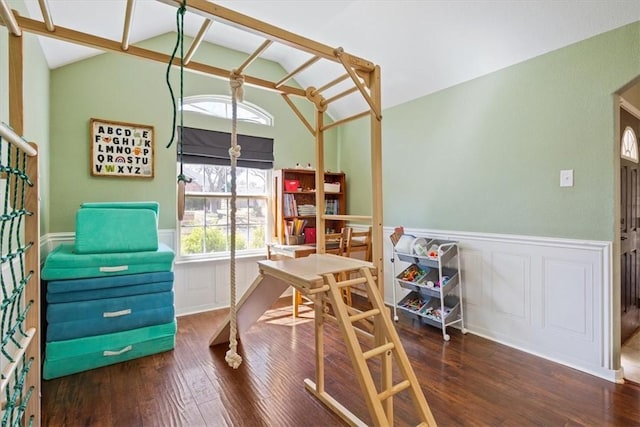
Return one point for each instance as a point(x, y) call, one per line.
point(447, 337)
point(464, 330)
point(396, 318)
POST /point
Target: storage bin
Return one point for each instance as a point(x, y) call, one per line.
point(421, 283)
point(294, 239)
point(431, 315)
point(412, 303)
point(309, 235)
point(331, 187)
point(427, 310)
point(440, 251)
point(291, 184)
point(412, 275)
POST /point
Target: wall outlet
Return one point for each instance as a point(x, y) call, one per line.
point(566, 178)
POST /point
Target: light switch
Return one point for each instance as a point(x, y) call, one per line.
point(566, 178)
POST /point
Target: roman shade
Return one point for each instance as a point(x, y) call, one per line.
point(211, 147)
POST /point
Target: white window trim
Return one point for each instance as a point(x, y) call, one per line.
point(226, 100)
point(226, 255)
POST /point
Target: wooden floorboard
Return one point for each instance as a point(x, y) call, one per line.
point(468, 381)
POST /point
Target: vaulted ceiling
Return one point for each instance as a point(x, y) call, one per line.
point(421, 46)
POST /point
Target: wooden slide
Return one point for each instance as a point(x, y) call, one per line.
point(262, 294)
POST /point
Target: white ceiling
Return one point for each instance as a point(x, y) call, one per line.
point(421, 46)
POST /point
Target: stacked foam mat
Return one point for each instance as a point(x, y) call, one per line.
point(109, 295)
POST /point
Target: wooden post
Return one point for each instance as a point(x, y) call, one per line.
point(320, 221)
point(32, 228)
point(376, 222)
point(376, 181)
point(319, 304)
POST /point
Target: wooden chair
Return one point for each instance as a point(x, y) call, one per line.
point(360, 241)
point(340, 244)
point(359, 246)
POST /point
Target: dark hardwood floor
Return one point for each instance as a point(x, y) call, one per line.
point(468, 381)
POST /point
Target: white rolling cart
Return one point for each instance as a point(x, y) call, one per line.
point(434, 279)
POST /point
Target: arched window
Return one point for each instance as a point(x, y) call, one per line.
point(629, 145)
point(220, 106)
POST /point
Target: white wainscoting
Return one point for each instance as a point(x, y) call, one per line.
point(546, 296)
point(204, 285)
point(549, 297)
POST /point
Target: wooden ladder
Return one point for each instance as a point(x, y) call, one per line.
point(387, 346)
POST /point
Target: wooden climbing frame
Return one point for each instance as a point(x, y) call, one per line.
point(365, 77)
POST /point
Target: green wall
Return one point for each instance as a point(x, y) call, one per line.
point(121, 88)
point(486, 155)
point(36, 104)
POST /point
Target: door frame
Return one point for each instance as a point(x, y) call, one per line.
point(615, 328)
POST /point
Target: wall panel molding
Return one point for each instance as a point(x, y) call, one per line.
point(547, 296)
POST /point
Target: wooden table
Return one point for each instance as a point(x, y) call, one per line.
point(304, 274)
point(290, 251)
point(276, 251)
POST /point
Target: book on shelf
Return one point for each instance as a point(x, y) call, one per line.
point(307, 210)
point(290, 207)
point(331, 207)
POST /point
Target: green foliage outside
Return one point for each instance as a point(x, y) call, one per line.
point(215, 241)
point(258, 238)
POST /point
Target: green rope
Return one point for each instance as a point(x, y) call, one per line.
point(179, 42)
point(14, 308)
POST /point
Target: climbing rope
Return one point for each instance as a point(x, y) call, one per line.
point(182, 179)
point(14, 307)
point(235, 81)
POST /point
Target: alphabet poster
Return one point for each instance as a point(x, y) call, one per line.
point(121, 149)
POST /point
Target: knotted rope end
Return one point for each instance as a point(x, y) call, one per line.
point(233, 359)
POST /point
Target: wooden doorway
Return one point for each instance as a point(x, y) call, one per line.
point(629, 225)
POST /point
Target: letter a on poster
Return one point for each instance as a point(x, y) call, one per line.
point(121, 149)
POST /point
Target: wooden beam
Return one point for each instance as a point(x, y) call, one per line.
point(307, 64)
point(9, 18)
point(271, 32)
point(346, 119)
point(298, 113)
point(374, 107)
point(253, 57)
point(128, 19)
point(69, 35)
point(330, 84)
point(46, 15)
point(198, 40)
point(340, 95)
